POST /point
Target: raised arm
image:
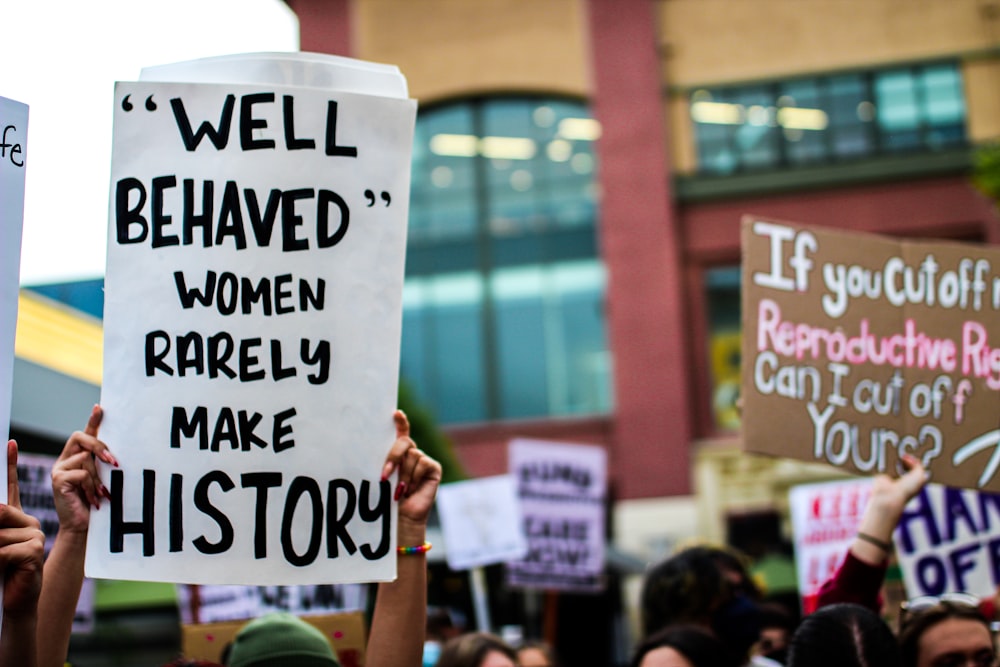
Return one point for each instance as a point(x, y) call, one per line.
point(400, 618)
point(860, 577)
point(22, 548)
point(76, 488)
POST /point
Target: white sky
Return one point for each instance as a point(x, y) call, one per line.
point(61, 58)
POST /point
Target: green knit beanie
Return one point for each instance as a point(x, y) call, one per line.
point(281, 640)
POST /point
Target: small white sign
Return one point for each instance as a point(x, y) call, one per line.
point(562, 489)
point(211, 604)
point(481, 522)
point(825, 518)
point(34, 475)
point(948, 541)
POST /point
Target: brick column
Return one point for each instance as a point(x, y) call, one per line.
point(324, 25)
point(640, 242)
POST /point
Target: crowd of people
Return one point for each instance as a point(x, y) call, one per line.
point(699, 607)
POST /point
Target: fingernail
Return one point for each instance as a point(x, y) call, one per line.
point(387, 470)
point(400, 490)
point(104, 492)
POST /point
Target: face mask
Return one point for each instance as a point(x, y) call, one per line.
point(432, 651)
point(738, 623)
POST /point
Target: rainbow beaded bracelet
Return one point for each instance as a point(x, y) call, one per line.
point(421, 549)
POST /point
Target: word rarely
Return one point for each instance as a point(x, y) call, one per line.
point(220, 354)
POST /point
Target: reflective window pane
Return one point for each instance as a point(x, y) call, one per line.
point(823, 119)
point(503, 301)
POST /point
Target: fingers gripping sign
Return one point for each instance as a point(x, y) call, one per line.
point(22, 546)
point(419, 474)
point(76, 482)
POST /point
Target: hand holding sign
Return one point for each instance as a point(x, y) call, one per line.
point(76, 484)
point(419, 476)
point(22, 545)
point(888, 498)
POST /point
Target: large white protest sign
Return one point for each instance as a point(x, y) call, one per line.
point(481, 522)
point(825, 518)
point(213, 604)
point(948, 541)
point(34, 475)
point(562, 489)
point(256, 242)
point(13, 159)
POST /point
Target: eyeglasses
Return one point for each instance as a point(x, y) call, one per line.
point(927, 601)
point(924, 602)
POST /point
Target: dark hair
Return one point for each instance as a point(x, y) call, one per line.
point(690, 585)
point(915, 624)
point(697, 644)
point(843, 635)
point(469, 650)
point(777, 615)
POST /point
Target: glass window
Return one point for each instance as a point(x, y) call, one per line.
point(502, 313)
point(823, 119)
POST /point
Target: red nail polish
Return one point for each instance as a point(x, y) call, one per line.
point(400, 490)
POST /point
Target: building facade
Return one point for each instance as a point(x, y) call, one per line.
point(853, 114)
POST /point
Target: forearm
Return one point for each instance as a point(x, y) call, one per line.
point(875, 530)
point(399, 621)
point(62, 581)
point(17, 640)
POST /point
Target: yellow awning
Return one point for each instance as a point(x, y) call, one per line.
point(58, 337)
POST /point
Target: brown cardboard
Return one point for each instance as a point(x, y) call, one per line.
point(936, 392)
point(346, 631)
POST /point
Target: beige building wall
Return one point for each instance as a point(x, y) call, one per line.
point(462, 47)
point(982, 94)
point(764, 39)
point(772, 39)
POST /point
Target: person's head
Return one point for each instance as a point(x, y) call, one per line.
point(683, 646)
point(777, 624)
point(280, 640)
point(843, 635)
point(946, 634)
point(440, 624)
point(534, 653)
point(477, 649)
point(707, 586)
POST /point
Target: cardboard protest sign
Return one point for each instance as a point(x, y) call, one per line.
point(213, 604)
point(481, 522)
point(562, 489)
point(346, 632)
point(34, 475)
point(948, 541)
point(859, 348)
point(256, 244)
point(825, 518)
point(13, 161)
